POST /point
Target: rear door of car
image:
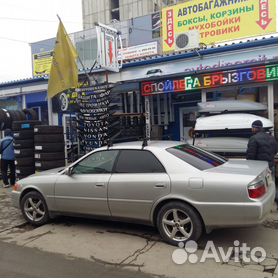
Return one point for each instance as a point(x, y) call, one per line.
point(138, 180)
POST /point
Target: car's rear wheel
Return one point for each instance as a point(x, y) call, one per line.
point(34, 208)
point(178, 222)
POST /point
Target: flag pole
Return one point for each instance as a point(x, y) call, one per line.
point(86, 73)
point(80, 61)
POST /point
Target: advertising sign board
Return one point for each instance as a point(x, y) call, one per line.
point(107, 40)
point(211, 80)
point(218, 20)
point(138, 51)
point(42, 63)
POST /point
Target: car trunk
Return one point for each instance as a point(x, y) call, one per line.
point(241, 167)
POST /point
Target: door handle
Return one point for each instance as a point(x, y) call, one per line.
point(100, 185)
point(160, 185)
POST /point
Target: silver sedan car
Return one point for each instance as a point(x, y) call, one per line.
point(180, 189)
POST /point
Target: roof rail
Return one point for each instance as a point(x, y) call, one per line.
point(109, 143)
point(145, 142)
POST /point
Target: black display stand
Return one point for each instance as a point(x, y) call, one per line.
point(94, 117)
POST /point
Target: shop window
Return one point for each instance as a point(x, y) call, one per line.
point(87, 50)
point(115, 10)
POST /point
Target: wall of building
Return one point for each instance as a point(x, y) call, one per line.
point(133, 32)
point(95, 11)
point(141, 30)
point(105, 11)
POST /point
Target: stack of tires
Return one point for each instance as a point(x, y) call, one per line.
point(49, 147)
point(7, 117)
point(24, 147)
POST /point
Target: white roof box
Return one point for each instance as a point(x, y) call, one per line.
point(230, 121)
point(230, 106)
point(222, 144)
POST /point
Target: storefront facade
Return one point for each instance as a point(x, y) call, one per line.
point(173, 84)
point(28, 93)
point(181, 94)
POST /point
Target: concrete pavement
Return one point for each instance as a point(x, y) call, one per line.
point(9, 216)
point(139, 248)
point(18, 261)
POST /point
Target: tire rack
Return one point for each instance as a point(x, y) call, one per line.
point(7, 117)
point(131, 125)
point(94, 120)
point(49, 147)
point(24, 147)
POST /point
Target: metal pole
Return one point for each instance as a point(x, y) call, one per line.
point(86, 73)
point(147, 117)
point(50, 111)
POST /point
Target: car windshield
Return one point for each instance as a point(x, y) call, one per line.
point(196, 157)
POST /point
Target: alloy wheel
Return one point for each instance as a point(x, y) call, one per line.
point(177, 225)
point(34, 209)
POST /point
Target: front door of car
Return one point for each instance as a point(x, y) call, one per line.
point(84, 190)
point(138, 180)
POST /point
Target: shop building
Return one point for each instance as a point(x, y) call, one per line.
point(174, 84)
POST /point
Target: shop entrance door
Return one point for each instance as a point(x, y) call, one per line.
point(187, 122)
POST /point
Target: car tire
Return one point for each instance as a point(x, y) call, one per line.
point(24, 125)
point(37, 215)
point(24, 134)
point(49, 147)
point(25, 161)
point(181, 220)
point(20, 115)
point(13, 115)
point(19, 176)
point(50, 156)
point(47, 165)
point(25, 170)
point(24, 152)
point(51, 138)
point(46, 129)
point(7, 119)
point(30, 114)
point(24, 144)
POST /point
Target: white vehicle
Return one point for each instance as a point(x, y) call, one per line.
point(230, 106)
point(226, 134)
point(230, 122)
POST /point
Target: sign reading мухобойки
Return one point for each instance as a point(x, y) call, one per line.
point(218, 20)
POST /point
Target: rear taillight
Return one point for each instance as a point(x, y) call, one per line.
point(256, 189)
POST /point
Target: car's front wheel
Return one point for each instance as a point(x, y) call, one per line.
point(34, 208)
point(178, 222)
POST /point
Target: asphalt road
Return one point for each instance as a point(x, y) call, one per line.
point(18, 261)
point(77, 247)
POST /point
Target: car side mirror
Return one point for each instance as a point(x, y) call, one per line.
point(69, 171)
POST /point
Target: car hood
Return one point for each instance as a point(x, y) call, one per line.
point(49, 172)
point(241, 167)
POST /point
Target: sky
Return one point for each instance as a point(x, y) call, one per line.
point(26, 21)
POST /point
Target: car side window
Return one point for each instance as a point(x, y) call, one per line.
point(138, 161)
point(97, 163)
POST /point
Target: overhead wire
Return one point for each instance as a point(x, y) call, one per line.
point(39, 20)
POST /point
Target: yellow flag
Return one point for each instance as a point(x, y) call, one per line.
point(63, 72)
